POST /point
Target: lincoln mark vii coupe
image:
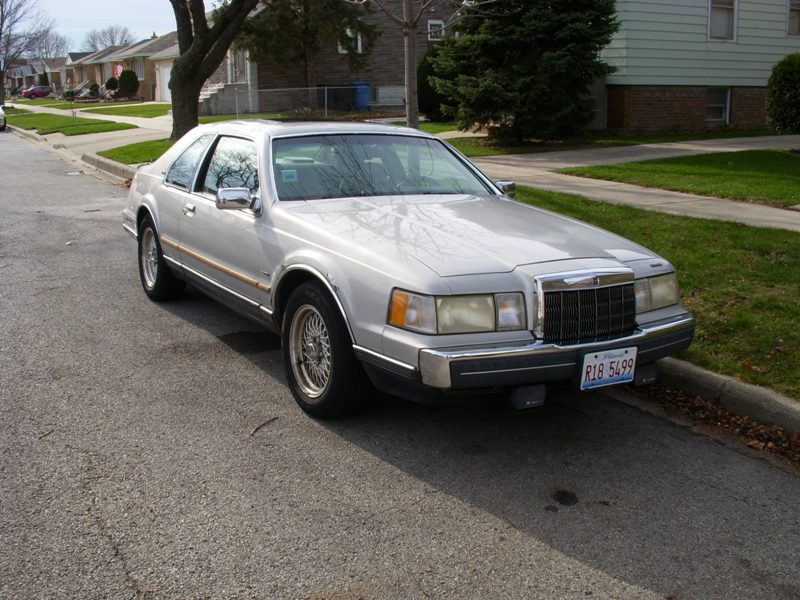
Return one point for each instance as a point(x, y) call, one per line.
point(384, 258)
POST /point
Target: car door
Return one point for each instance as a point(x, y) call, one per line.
point(229, 247)
point(175, 195)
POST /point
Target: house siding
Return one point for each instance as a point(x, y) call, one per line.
point(666, 43)
point(665, 63)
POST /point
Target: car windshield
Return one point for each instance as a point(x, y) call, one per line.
point(341, 166)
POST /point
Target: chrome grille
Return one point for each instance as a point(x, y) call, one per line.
point(589, 315)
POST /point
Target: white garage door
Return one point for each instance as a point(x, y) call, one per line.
point(164, 93)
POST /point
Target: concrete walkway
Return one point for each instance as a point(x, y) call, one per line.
point(536, 170)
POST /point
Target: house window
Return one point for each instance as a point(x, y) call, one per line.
point(722, 19)
point(355, 43)
point(106, 72)
point(138, 66)
point(718, 102)
point(435, 30)
point(794, 17)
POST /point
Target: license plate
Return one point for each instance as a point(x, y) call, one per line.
point(608, 367)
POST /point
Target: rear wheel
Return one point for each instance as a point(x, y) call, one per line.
point(324, 376)
point(158, 280)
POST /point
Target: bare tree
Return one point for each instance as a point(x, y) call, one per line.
point(113, 35)
point(202, 49)
point(50, 45)
point(408, 20)
point(21, 26)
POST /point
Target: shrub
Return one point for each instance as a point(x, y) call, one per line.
point(783, 95)
point(430, 101)
point(128, 84)
point(95, 90)
point(112, 84)
point(43, 79)
point(525, 67)
point(69, 94)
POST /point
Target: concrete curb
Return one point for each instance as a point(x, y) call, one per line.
point(109, 166)
point(27, 134)
point(761, 404)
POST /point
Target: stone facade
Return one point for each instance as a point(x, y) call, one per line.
point(651, 109)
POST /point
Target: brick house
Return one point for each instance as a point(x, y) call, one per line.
point(691, 65)
point(137, 58)
point(94, 67)
point(384, 71)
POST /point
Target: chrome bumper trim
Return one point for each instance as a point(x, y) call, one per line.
point(434, 365)
point(130, 230)
point(384, 358)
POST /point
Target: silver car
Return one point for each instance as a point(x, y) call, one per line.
point(385, 259)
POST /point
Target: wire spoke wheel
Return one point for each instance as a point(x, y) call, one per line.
point(149, 258)
point(310, 351)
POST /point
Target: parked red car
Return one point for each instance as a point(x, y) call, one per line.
point(37, 91)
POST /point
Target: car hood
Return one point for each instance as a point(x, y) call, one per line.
point(463, 234)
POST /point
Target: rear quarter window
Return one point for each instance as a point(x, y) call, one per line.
point(182, 170)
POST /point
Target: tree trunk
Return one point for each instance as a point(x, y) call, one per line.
point(311, 79)
point(410, 48)
point(184, 106)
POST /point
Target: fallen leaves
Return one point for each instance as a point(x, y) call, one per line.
point(704, 413)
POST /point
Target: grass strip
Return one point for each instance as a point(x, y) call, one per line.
point(96, 126)
point(433, 127)
point(764, 176)
point(740, 282)
point(148, 111)
point(483, 146)
point(139, 152)
point(45, 123)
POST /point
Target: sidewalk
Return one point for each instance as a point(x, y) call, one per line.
point(537, 170)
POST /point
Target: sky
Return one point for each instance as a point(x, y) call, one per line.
point(74, 18)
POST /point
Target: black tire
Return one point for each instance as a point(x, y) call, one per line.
point(324, 375)
point(158, 280)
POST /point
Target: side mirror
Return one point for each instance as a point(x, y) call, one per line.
point(237, 198)
point(508, 187)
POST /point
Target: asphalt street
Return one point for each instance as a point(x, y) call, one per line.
point(130, 468)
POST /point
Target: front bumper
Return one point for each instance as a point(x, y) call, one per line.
point(533, 363)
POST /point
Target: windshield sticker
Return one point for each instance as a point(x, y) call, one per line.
point(289, 176)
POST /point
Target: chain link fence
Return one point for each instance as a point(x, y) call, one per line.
point(324, 102)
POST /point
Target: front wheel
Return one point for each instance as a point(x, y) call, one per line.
point(158, 280)
point(324, 376)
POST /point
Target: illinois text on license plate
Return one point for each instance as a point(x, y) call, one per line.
point(608, 367)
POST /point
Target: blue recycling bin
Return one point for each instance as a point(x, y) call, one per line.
point(362, 94)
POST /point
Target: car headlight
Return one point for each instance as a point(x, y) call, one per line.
point(474, 313)
point(653, 293)
point(412, 311)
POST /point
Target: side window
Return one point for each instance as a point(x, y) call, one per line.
point(181, 171)
point(233, 164)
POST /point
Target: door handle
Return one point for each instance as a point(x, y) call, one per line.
point(188, 209)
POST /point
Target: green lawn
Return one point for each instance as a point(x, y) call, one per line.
point(14, 110)
point(140, 152)
point(34, 101)
point(740, 282)
point(71, 105)
point(433, 127)
point(148, 110)
point(481, 146)
point(45, 123)
point(764, 176)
